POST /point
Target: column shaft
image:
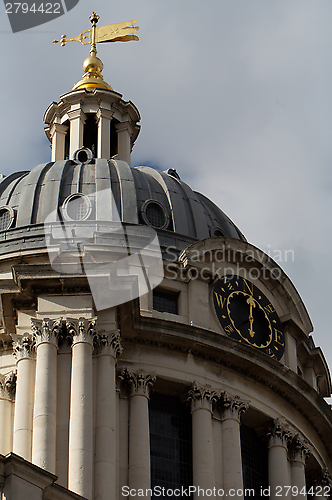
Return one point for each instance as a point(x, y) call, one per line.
point(203, 450)
point(124, 145)
point(299, 452)
point(105, 435)
point(7, 384)
point(25, 384)
point(44, 419)
point(232, 408)
point(104, 117)
point(278, 469)
point(203, 454)
point(80, 476)
point(139, 442)
point(63, 413)
point(80, 433)
point(77, 120)
point(139, 430)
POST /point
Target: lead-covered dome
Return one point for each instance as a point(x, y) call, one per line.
point(142, 195)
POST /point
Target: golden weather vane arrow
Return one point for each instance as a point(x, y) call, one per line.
point(119, 32)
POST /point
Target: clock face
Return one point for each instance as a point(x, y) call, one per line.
point(247, 315)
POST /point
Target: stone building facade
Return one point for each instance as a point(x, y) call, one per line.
point(114, 382)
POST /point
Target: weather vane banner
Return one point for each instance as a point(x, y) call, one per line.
point(25, 15)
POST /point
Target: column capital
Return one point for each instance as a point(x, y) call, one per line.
point(58, 128)
point(202, 397)
point(108, 343)
point(139, 382)
point(104, 113)
point(7, 385)
point(232, 406)
point(81, 330)
point(279, 433)
point(76, 113)
point(24, 347)
point(299, 449)
point(46, 331)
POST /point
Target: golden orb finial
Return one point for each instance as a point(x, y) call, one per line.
point(92, 66)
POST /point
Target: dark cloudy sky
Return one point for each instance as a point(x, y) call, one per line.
point(234, 94)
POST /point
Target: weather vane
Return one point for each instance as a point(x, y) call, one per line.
point(119, 32)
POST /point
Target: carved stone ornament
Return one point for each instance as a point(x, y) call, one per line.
point(7, 385)
point(46, 330)
point(138, 382)
point(202, 397)
point(82, 329)
point(108, 343)
point(299, 448)
point(24, 347)
point(319, 477)
point(233, 406)
point(279, 433)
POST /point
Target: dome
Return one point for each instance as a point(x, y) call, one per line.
point(142, 195)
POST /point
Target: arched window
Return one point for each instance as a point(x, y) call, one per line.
point(170, 442)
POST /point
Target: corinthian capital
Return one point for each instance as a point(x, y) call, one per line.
point(24, 347)
point(81, 330)
point(46, 330)
point(233, 406)
point(108, 343)
point(299, 448)
point(279, 433)
point(7, 385)
point(202, 397)
point(139, 382)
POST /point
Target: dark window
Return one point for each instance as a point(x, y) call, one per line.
point(165, 301)
point(90, 133)
point(170, 442)
point(155, 215)
point(6, 219)
point(254, 460)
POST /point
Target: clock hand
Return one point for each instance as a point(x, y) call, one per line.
point(252, 304)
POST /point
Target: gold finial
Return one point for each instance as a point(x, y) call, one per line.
point(92, 66)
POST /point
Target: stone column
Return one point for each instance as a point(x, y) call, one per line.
point(80, 467)
point(107, 348)
point(24, 352)
point(7, 390)
point(232, 407)
point(279, 435)
point(44, 417)
point(77, 119)
point(299, 451)
point(104, 117)
point(139, 430)
point(124, 143)
point(203, 454)
point(58, 135)
point(63, 407)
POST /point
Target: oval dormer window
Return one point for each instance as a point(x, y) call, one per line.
point(77, 207)
point(155, 214)
point(217, 232)
point(7, 216)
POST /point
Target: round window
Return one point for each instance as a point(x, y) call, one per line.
point(155, 214)
point(77, 207)
point(6, 217)
point(82, 155)
point(216, 231)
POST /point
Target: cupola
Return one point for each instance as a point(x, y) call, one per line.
point(92, 115)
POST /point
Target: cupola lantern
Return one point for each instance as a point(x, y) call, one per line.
point(92, 114)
